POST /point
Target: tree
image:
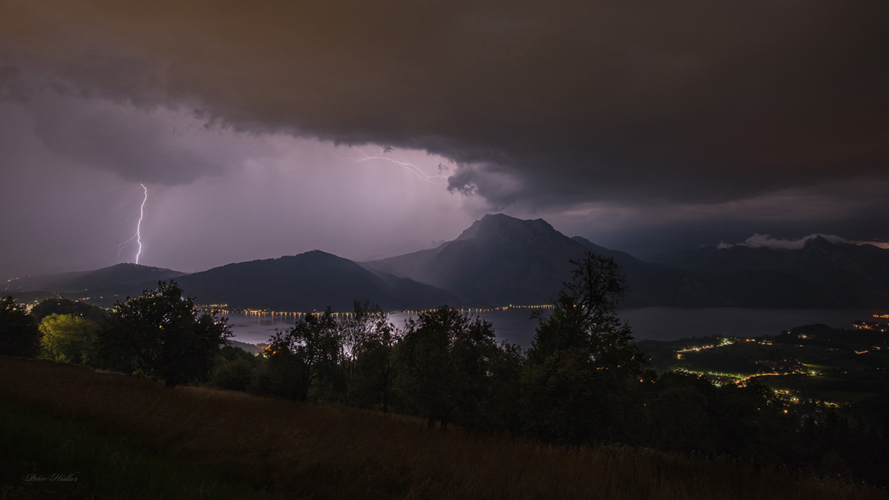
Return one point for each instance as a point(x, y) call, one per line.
point(19, 335)
point(235, 369)
point(68, 338)
point(161, 335)
point(367, 344)
point(504, 389)
point(305, 355)
point(583, 369)
point(444, 363)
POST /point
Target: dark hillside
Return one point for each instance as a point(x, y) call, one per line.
point(66, 306)
point(657, 284)
point(306, 282)
point(821, 274)
point(113, 276)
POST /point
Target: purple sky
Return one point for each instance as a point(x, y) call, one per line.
point(368, 129)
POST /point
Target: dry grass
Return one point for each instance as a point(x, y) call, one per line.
point(330, 453)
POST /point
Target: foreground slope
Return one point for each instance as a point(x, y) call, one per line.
point(323, 452)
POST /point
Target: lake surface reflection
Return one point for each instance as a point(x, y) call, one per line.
point(648, 323)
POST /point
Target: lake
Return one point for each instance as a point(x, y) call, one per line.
point(648, 323)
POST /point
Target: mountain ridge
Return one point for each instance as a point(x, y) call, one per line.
point(78, 281)
point(500, 260)
point(309, 281)
point(820, 274)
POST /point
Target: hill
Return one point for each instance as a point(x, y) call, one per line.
point(501, 260)
point(57, 305)
point(821, 274)
point(76, 282)
point(652, 284)
point(306, 282)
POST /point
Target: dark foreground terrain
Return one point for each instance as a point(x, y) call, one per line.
point(113, 428)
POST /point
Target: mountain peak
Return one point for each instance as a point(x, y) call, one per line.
point(129, 266)
point(317, 254)
point(819, 242)
point(504, 227)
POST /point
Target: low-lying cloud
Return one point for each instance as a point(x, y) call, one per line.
point(768, 241)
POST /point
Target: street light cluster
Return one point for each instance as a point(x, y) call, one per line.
point(224, 309)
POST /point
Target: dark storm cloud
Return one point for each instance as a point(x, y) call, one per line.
point(134, 143)
point(538, 102)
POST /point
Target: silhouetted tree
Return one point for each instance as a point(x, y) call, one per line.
point(497, 409)
point(368, 341)
point(19, 335)
point(680, 414)
point(305, 355)
point(235, 369)
point(160, 335)
point(582, 378)
point(444, 365)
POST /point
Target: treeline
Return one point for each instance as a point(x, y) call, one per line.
point(57, 329)
point(582, 381)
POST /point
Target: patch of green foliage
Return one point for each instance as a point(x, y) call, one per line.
point(68, 338)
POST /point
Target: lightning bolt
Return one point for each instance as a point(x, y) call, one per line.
point(410, 167)
point(138, 235)
point(139, 224)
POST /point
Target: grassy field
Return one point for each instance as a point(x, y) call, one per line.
point(46, 457)
point(322, 452)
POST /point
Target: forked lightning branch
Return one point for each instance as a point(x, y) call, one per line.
point(138, 235)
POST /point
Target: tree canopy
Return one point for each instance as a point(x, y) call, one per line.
point(68, 338)
point(161, 335)
point(304, 355)
point(368, 341)
point(583, 368)
point(444, 363)
point(19, 335)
